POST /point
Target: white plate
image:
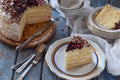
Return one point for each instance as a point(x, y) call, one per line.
point(69, 4)
point(97, 29)
point(55, 60)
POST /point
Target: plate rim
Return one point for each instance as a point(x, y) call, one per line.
point(54, 63)
point(59, 74)
point(91, 20)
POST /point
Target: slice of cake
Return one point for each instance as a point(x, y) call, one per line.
point(15, 14)
point(78, 53)
point(108, 17)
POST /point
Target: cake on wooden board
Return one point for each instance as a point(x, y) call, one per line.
point(78, 53)
point(109, 17)
point(15, 14)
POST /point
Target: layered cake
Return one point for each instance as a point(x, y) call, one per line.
point(78, 53)
point(109, 17)
point(15, 14)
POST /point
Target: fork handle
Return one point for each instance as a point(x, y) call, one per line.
point(20, 69)
point(16, 66)
point(25, 72)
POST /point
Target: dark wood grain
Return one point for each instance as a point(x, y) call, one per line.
point(7, 58)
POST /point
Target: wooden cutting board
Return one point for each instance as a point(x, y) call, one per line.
point(28, 31)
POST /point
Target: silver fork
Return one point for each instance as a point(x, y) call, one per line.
point(22, 67)
point(16, 66)
point(38, 56)
point(39, 50)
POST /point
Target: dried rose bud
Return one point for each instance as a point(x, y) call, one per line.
point(117, 25)
point(77, 43)
point(15, 8)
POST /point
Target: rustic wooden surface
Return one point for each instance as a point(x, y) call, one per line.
point(8, 56)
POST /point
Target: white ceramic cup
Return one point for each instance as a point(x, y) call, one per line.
point(69, 4)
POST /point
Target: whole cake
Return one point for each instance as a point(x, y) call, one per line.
point(109, 17)
point(15, 14)
point(78, 53)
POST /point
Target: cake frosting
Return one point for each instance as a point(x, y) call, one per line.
point(15, 14)
point(78, 53)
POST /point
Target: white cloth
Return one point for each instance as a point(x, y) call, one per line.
point(111, 50)
point(77, 21)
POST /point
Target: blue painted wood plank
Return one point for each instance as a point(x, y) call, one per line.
point(98, 3)
point(48, 75)
point(7, 57)
point(61, 28)
point(106, 76)
point(115, 3)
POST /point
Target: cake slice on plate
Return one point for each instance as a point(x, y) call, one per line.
point(78, 53)
point(109, 17)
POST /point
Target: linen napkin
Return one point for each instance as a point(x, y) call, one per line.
point(77, 21)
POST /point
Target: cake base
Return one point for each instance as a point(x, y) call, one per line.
point(78, 57)
point(28, 31)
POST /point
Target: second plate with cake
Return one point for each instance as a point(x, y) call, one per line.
point(56, 59)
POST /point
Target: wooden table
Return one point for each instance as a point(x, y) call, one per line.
point(8, 56)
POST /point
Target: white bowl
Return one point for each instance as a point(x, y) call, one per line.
point(69, 4)
point(73, 10)
point(98, 29)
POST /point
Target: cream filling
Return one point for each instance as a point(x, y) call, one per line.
point(32, 15)
point(78, 57)
point(10, 31)
point(108, 16)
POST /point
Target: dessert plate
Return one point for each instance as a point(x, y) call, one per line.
point(97, 29)
point(56, 62)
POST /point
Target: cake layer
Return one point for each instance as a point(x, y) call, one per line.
point(38, 14)
point(15, 14)
point(78, 57)
point(32, 15)
point(28, 31)
point(108, 17)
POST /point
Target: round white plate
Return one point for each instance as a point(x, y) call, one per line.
point(98, 29)
point(56, 62)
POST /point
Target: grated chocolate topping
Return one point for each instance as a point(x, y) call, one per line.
point(77, 43)
point(15, 8)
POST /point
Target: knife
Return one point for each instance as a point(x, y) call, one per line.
point(20, 46)
point(39, 51)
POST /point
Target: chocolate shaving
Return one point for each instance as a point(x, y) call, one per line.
point(77, 43)
point(117, 25)
point(15, 8)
